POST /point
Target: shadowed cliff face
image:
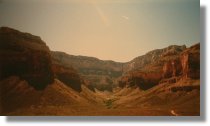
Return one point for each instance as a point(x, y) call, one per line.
point(68, 76)
point(26, 56)
point(28, 74)
point(142, 80)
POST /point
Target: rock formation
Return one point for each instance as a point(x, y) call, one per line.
point(190, 60)
point(163, 65)
point(98, 74)
point(68, 76)
point(26, 56)
point(41, 82)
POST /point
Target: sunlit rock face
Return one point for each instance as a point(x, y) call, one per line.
point(190, 60)
point(172, 68)
point(155, 57)
point(166, 65)
point(186, 65)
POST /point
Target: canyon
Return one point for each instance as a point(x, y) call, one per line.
point(37, 81)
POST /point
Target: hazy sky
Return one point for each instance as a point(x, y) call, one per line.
point(118, 30)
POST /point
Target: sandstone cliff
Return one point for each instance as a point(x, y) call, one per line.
point(186, 65)
point(26, 56)
point(163, 65)
point(68, 76)
point(96, 73)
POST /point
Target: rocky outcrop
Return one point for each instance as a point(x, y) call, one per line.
point(97, 73)
point(187, 65)
point(154, 58)
point(160, 66)
point(144, 71)
point(28, 74)
point(68, 76)
point(190, 60)
point(184, 88)
point(99, 82)
point(26, 56)
point(17, 93)
point(142, 80)
point(89, 65)
point(172, 68)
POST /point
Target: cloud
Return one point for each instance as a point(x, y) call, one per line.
point(125, 17)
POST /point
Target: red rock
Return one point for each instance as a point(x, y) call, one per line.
point(166, 65)
point(190, 60)
point(172, 68)
point(99, 74)
point(26, 56)
point(68, 76)
point(186, 65)
point(141, 79)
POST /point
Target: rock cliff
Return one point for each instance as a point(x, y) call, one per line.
point(163, 65)
point(26, 56)
point(68, 76)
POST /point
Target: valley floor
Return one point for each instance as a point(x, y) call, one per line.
point(103, 111)
point(60, 100)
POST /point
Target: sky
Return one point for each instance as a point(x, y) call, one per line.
point(118, 30)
